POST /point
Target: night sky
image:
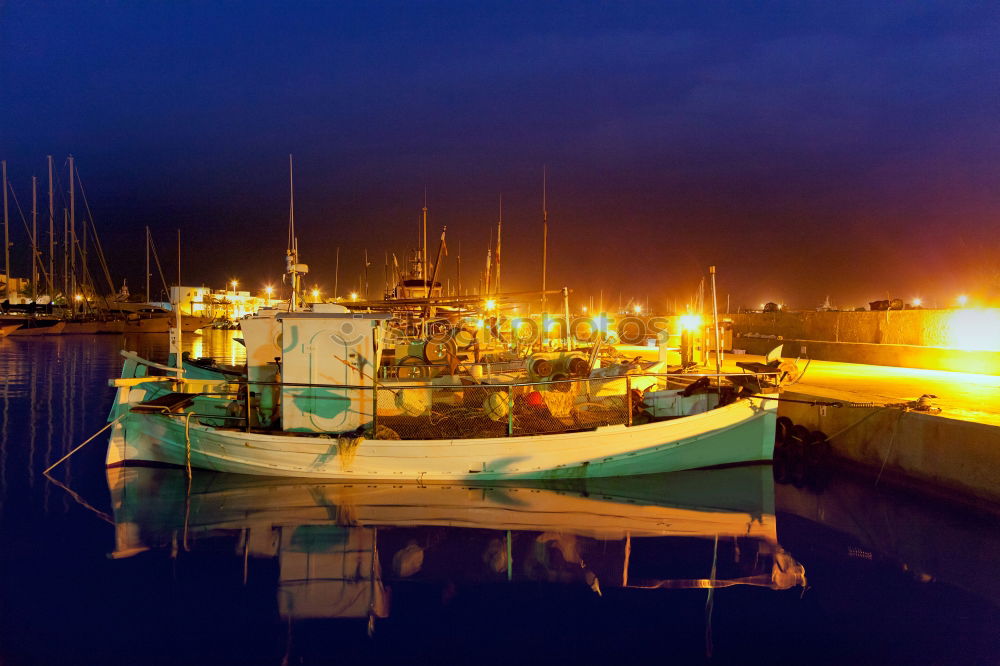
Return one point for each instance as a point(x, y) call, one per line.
point(806, 149)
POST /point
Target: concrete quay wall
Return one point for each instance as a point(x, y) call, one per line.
point(927, 452)
point(897, 356)
point(929, 339)
point(924, 328)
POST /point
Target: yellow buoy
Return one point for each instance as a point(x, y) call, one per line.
point(412, 402)
point(496, 405)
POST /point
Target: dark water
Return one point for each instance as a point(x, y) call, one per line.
point(142, 566)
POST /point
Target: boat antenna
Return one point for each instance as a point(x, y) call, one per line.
point(545, 232)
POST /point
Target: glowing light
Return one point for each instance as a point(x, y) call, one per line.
point(234, 283)
point(763, 305)
point(315, 294)
point(491, 304)
point(78, 298)
point(480, 323)
point(354, 295)
point(584, 308)
point(974, 329)
point(962, 300)
point(637, 309)
point(917, 302)
point(269, 290)
point(690, 322)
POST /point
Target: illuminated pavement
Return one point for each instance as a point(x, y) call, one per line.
point(960, 395)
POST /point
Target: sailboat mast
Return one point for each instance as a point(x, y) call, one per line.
point(66, 294)
point(336, 275)
point(545, 233)
point(489, 264)
point(179, 357)
point(52, 234)
point(6, 233)
point(458, 268)
point(34, 238)
point(147, 264)
point(497, 259)
point(72, 232)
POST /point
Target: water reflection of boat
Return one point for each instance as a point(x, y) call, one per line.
point(340, 547)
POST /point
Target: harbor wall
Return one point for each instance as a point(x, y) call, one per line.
point(958, 340)
point(928, 452)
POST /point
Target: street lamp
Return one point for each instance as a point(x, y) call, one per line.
point(268, 290)
point(315, 295)
point(354, 295)
point(962, 300)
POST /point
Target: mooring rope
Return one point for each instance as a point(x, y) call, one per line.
point(89, 440)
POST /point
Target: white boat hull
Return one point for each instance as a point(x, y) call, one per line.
point(742, 432)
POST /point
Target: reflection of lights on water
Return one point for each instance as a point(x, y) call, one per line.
point(974, 330)
point(197, 347)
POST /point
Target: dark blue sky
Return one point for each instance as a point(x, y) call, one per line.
point(807, 149)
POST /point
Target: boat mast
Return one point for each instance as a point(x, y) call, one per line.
point(423, 251)
point(6, 233)
point(715, 325)
point(147, 263)
point(489, 265)
point(292, 253)
point(72, 232)
point(84, 272)
point(336, 276)
point(545, 233)
point(34, 239)
point(496, 279)
point(179, 356)
point(52, 236)
point(458, 268)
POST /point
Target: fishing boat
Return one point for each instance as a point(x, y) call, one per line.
point(312, 405)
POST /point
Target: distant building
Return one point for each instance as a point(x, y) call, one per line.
point(219, 303)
